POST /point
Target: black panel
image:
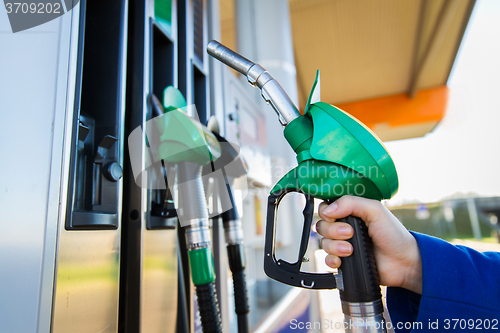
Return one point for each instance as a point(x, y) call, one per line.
point(200, 94)
point(95, 169)
point(161, 212)
point(145, 76)
point(182, 47)
point(130, 255)
point(162, 70)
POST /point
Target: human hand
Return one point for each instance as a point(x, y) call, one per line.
point(396, 250)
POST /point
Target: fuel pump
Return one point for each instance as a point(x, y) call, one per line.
point(337, 155)
point(187, 143)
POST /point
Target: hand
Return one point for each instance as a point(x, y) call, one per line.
point(396, 250)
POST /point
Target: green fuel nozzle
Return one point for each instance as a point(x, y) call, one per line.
point(183, 141)
point(228, 167)
point(337, 155)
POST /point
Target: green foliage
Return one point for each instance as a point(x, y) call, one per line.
point(437, 225)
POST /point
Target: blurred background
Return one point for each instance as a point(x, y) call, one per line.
point(454, 168)
point(423, 75)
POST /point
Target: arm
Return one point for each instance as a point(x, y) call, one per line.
point(429, 279)
point(460, 287)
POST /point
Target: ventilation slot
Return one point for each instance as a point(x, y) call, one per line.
point(198, 30)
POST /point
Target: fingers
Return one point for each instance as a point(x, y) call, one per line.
point(321, 209)
point(332, 261)
point(337, 230)
point(366, 209)
point(337, 233)
point(337, 248)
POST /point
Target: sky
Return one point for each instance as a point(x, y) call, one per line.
point(463, 153)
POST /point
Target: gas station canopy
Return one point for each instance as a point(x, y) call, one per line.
point(386, 62)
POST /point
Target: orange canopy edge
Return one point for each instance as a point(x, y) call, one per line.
point(399, 116)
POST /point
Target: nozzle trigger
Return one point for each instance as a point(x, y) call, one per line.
point(281, 270)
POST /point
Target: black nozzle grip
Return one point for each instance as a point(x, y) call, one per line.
point(359, 270)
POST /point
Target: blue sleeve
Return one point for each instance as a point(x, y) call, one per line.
point(460, 291)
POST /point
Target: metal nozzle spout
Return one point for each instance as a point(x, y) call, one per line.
point(257, 76)
point(229, 57)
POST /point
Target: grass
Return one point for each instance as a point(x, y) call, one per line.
point(484, 239)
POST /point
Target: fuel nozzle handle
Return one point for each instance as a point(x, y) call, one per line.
point(257, 76)
point(360, 291)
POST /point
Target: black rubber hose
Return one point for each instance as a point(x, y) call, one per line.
point(237, 265)
point(208, 308)
point(243, 324)
point(182, 324)
point(240, 293)
point(241, 306)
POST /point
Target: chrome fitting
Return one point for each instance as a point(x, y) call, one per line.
point(339, 280)
point(233, 232)
point(363, 309)
point(364, 317)
point(375, 324)
point(198, 234)
point(254, 73)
